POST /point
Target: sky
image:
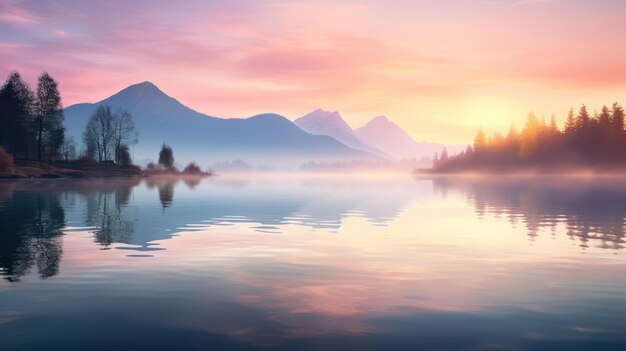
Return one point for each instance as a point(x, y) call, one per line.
point(440, 69)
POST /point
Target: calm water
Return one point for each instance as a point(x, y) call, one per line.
point(313, 263)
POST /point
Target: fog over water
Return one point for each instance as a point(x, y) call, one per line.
point(309, 262)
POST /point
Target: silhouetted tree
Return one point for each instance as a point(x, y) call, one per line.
point(570, 124)
point(152, 167)
point(68, 150)
point(587, 141)
point(480, 141)
point(618, 119)
point(123, 156)
point(166, 157)
point(444, 155)
point(16, 108)
point(192, 168)
point(48, 115)
point(124, 134)
point(98, 135)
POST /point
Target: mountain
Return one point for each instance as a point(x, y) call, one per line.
point(266, 139)
point(388, 137)
point(320, 122)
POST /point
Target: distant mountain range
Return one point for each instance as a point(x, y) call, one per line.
point(379, 136)
point(388, 137)
point(266, 139)
point(320, 122)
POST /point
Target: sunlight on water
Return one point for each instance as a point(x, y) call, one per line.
point(306, 263)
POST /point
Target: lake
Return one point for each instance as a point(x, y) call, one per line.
point(312, 262)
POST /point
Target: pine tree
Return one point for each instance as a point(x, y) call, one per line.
point(583, 120)
point(554, 129)
point(480, 142)
point(618, 118)
point(570, 124)
point(444, 155)
point(16, 104)
point(166, 157)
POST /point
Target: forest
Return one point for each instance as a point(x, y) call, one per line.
point(586, 142)
point(31, 123)
point(32, 128)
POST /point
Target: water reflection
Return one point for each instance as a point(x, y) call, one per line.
point(32, 224)
point(308, 263)
point(592, 210)
point(107, 210)
point(122, 211)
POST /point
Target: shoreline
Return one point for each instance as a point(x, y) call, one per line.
point(26, 169)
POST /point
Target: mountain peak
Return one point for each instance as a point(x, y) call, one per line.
point(380, 119)
point(141, 93)
point(146, 87)
point(322, 122)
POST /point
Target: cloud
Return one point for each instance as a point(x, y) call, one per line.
point(364, 58)
point(12, 13)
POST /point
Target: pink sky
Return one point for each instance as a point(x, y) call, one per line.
point(440, 69)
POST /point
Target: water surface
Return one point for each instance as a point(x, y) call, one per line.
point(313, 263)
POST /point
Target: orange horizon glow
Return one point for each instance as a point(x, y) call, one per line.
point(441, 70)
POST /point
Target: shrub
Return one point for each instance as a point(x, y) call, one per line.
point(6, 161)
point(152, 167)
point(192, 168)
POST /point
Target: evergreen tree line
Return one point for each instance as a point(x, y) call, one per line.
point(586, 141)
point(31, 122)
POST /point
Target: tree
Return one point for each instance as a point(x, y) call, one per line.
point(480, 142)
point(152, 167)
point(166, 157)
point(16, 107)
point(123, 156)
point(604, 119)
point(553, 129)
point(123, 133)
point(192, 168)
point(444, 155)
point(570, 124)
point(99, 133)
point(68, 150)
point(618, 118)
point(583, 121)
point(530, 136)
point(48, 112)
point(435, 160)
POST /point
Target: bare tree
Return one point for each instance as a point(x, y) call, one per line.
point(48, 113)
point(68, 150)
point(124, 134)
point(99, 133)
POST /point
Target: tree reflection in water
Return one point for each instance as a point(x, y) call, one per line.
point(165, 186)
point(592, 210)
point(33, 219)
point(30, 234)
point(107, 209)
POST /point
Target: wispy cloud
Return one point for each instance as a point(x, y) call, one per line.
point(12, 13)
